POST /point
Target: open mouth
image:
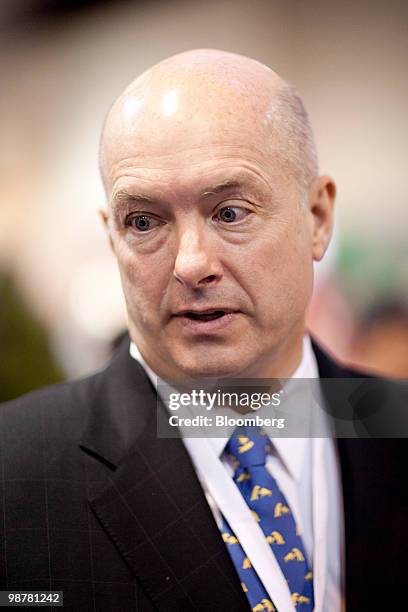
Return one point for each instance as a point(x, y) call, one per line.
point(208, 316)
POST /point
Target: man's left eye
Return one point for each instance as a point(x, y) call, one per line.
point(229, 214)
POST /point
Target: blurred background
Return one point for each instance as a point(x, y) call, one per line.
point(62, 64)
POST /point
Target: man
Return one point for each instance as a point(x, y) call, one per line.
point(215, 213)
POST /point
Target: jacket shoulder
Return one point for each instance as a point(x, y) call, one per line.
point(56, 412)
point(60, 394)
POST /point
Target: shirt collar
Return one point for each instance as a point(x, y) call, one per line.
point(292, 451)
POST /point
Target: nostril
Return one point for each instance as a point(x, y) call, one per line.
point(208, 279)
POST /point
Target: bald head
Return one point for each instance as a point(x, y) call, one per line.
point(214, 96)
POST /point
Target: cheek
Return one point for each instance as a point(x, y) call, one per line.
point(144, 283)
point(296, 280)
point(278, 274)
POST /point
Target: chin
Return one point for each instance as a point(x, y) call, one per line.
point(206, 366)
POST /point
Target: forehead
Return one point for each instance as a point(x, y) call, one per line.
point(194, 158)
point(173, 129)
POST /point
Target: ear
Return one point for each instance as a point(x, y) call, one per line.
point(321, 201)
point(105, 220)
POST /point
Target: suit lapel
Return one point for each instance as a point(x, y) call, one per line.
point(150, 502)
point(371, 472)
point(352, 511)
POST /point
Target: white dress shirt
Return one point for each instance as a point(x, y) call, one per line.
point(307, 472)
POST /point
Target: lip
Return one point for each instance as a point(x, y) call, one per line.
point(206, 311)
point(206, 327)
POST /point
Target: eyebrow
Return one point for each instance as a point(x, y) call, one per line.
point(221, 187)
point(124, 197)
point(238, 182)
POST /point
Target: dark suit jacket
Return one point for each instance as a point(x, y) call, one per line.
point(94, 504)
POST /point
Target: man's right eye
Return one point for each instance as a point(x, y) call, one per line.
point(142, 223)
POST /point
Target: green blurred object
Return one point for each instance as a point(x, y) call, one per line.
point(369, 271)
point(26, 362)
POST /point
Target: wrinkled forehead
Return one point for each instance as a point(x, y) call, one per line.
point(176, 111)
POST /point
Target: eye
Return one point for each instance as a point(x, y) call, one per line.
point(142, 223)
point(230, 214)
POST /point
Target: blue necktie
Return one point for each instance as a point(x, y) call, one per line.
point(247, 449)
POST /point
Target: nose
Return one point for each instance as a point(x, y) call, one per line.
point(196, 263)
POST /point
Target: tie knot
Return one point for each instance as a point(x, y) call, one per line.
point(248, 446)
